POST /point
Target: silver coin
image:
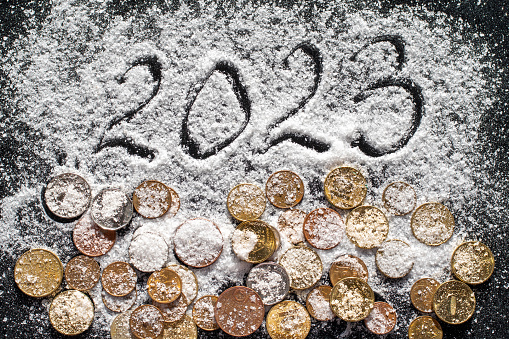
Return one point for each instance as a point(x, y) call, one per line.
point(111, 209)
point(270, 281)
point(67, 195)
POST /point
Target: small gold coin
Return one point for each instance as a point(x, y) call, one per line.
point(421, 294)
point(119, 304)
point(254, 241)
point(164, 286)
point(425, 327)
point(303, 265)
point(90, 239)
point(119, 279)
point(399, 198)
point(347, 266)
point(71, 312)
point(323, 228)
point(152, 199)
point(454, 302)
point(119, 328)
point(290, 225)
point(173, 311)
point(382, 318)
point(318, 303)
point(146, 321)
point(472, 262)
point(395, 259)
point(352, 299)
point(38, 273)
point(284, 189)
point(82, 273)
point(189, 281)
point(246, 202)
point(203, 313)
point(432, 224)
point(183, 329)
point(367, 226)
point(345, 187)
point(288, 319)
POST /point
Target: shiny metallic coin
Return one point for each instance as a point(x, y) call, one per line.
point(90, 239)
point(152, 199)
point(173, 311)
point(288, 319)
point(119, 304)
point(239, 311)
point(254, 241)
point(246, 202)
point(119, 279)
point(148, 252)
point(198, 242)
point(352, 299)
point(38, 273)
point(82, 273)
point(71, 312)
point(472, 262)
point(345, 187)
point(318, 303)
point(270, 281)
point(290, 225)
point(382, 318)
point(432, 224)
point(323, 228)
point(367, 226)
point(67, 195)
point(111, 209)
point(175, 204)
point(421, 294)
point(183, 329)
point(454, 302)
point(395, 258)
point(146, 321)
point(203, 313)
point(119, 328)
point(189, 281)
point(303, 265)
point(399, 198)
point(284, 189)
point(425, 327)
point(164, 286)
point(347, 266)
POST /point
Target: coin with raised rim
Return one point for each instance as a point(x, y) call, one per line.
point(382, 318)
point(71, 312)
point(323, 228)
point(367, 226)
point(119, 304)
point(454, 302)
point(290, 225)
point(352, 299)
point(395, 258)
point(254, 241)
point(288, 319)
point(345, 188)
point(90, 239)
point(189, 281)
point(152, 199)
point(82, 273)
point(270, 281)
point(146, 321)
point(164, 286)
point(303, 265)
point(67, 195)
point(182, 329)
point(432, 224)
point(173, 311)
point(284, 189)
point(421, 294)
point(203, 313)
point(425, 327)
point(318, 303)
point(399, 198)
point(119, 279)
point(346, 266)
point(246, 202)
point(472, 262)
point(111, 209)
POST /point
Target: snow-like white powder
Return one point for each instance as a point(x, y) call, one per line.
point(395, 258)
point(119, 304)
point(320, 305)
point(148, 252)
point(243, 243)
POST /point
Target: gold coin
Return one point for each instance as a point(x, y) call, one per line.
point(395, 259)
point(38, 273)
point(188, 279)
point(183, 329)
point(345, 187)
point(472, 262)
point(119, 328)
point(421, 294)
point(82, 273)
point(288, 319)
point(173, 311)
point(164, 286)
point(432, 224)
point(347, 266)
point(203, 313)
point(146, 321)
point(152, 199)
point(399, 198)
point(367, 226)
point(119, 279)
point(454, 302)
point(71, 312)
point(425, 327)
point(90, 239)
point(246, 202)
point(254, 241)
point(284, 189)
point(303, 265)
point(318, 303)
point(175, 204)
point(323, 228)
point(119, 304)
point(352, 299)
point(290, 225)
point(382, 318)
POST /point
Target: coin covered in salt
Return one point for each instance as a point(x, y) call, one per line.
point(432, 224)
point(352, 299)
point(182, 329)
point(246, 202)
point(382, 318)
point(203, 313)
point(152, 199)
point(270, 281)
point(345, 187)
point(82, 273)
point(395, 258)
point(318, 303)
point(303, 265)
point(346, 266)
point(173, 311)
point(119, 304)
point(119, 279)
point(421, 294)
point(472, 262)
point(146, 321)
point(148, 252)
point(71, 312)
point(367, 226)
point(323, 228)
point(425, 327)
point(119, 328)
point(164, 286)
point(111, 209)
point(284, 189)
point(175, 203)
point(254, 241)
point(90, 239)
point(288, 319)
point(290, 225)
point(67, 195)
point(399, 198)
point(189, 281)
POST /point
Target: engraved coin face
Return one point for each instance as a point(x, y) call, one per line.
point(90, 239)
point(432, 224)
point(454, 302)
point(472, 262)
point(425, 327)
point(303, 265)
point(323, 228)
point(203, 313)
point(421, 294)
point(395, 258)
point(152, 199)
point(38, 273)
point(119, 279)
point(246, 202)
point(164, 286)
point(270, 281)
point(288, 319)
point(318, 303)
point(367, 226)
point(284, 189)
point(71, 312)
point(182, 329)
point(239, 311)
point(148, 252)
point(347, 266)
point(146, 321)
point(173, 311)
point(67, 195)
point(82, 273)
point(254, 241)
point(382, 318)
point(119, 304)
point(111, 209)
point(290, 225)
point(189, 281)
point(352, 299)
point(119, 328)
point(345, 187)
point(399, 198)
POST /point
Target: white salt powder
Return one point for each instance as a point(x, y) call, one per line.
point(148, 252)
point(395, 258)
point(243, 243)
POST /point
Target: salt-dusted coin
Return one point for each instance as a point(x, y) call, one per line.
point(111, 209)
point(303, 265)
point(399, 198)
point(119, 328)
point(90, 239)
point(173, 311)
point(318, 303)
point(347, 266)
point(432, 224)
point(288, 319)
point(290, 225)
point(119, 279)
point(203, 313)
point(152, 199)
point(454, 302)
point(148, 252)
point(189, 281)
point(119, 304)
point(182, 329)
point(254, 241)
point(164, 286)
point(425, 327)
point(246, 202)
point(395, 258)
point(67, 195)
point(82, 273)
point(352, 299)
point(367, 226)
point(421, 294)
point(284, 189)
point(382, 318)
point(345, 187)
point(323, 228)
point(472, 262)
point(175, 203)
point(71, 312)
point(146, 321)
point(270, 281)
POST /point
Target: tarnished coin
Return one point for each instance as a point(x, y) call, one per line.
point(182, 329)
point(254, 241)
point(472, 262)
point(164, 286)
point(90, 239)
point(203, 313)
point(382, 318)
point(173, 311)
point(323, 228)
point(270, 281)
point(119, 304)
point(347, 266)
point(175, 203)
point(432, 224)
point(421, 294)
point(38, 273)
point(284, 189)
point(367, 226)
point(352, 299)
point(148, 252)
point(454, 302)
point(67, 195)
point(189, 281)
point(345, 187)
point(288, 319)
point(425, 327)
point(111, 209)
point(399, 198)
point(290, 225)
point(71, 312)
point(198, 242)
point(152, 199)
point(246, 202)
point(146, 321)
point(318, 303)
point(239, 311)
point(394, 258)
point(303, 265)
point(119, 279)
point(119, 328)
point(82, 273)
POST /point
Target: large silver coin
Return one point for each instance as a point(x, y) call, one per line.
point(111, 209)
point(67, 195)
point(270, 281)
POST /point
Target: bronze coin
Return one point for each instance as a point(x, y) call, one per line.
point(382, 318)
point(173, 311)
point(290, 225)
point(164, 286)
point(284, 189)
point(152, 199)
point(71, 312)
point(82, 273)
point(347, 266)
point(421, 294)
point(203, 313)
point(425, 327)
point(345, 187)
point(318, 303)
point(246, 202)
point(454, 302)
point(323, 228)
point(90, 239)
point(146, 322)
point(119, 279)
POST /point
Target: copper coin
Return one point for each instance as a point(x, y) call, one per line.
point(146, 322)
point(288, 319)
point(246, 202)
point(454, 302)
point(303, 265)
point(254, 241)
point(324, 228)
point(382, 318)
point(173, 311)
point(203, 313)
point(82, 273)
point(347, 266)
point(425, 327)
point(67, 195)
point(290, 225)
point(239, 311)
point(71, 312)
point(119, 279)
point(399, 198)
point(90, 239)
point(472, 262)
point(284, 189)
point(421, 294)
point(152, 199)
point(367, 226)
point(119, 304)
point(318, 303)
point(345, 187)
point(432, 224)
point(164, 286)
